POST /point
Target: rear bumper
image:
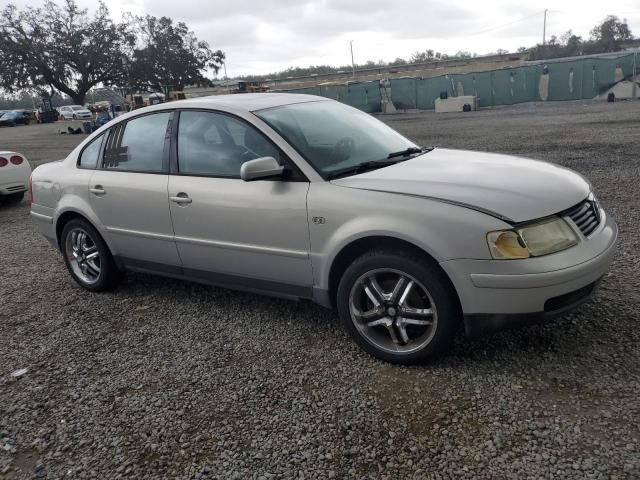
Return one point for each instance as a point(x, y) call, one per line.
point(43, 218)
point(495, 294)
point(15, 187)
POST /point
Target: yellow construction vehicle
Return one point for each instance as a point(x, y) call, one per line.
point(176, 95)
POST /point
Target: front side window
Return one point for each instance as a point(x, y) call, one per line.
point(332, 136)
point(215, 144)
point(138, 145)
point(89, 156)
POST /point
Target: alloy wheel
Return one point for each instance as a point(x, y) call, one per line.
point(83, 255)
point(393, 311)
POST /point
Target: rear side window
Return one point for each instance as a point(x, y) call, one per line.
point(138, 145)
point(90, 154)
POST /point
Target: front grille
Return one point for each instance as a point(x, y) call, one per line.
point(585, 215)
point(17, 188)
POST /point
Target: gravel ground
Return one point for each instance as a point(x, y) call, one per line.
point(167, 379)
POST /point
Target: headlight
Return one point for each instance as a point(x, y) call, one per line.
point(534, 240)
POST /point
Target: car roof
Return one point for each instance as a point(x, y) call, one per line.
point(248, 101)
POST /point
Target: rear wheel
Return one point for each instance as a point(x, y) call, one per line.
point(87, 256)
point(398, 306)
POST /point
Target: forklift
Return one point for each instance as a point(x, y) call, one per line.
point(46, 113)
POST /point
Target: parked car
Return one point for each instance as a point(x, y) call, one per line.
point(304, 197)
point(15, 117)
point(74, 112)
point(14, 176)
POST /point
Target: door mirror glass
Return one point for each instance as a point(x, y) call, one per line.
point(260, 168)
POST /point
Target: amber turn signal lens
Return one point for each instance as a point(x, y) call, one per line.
point(506, 245)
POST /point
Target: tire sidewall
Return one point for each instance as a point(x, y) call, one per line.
point(108, 270)
point(430, 276)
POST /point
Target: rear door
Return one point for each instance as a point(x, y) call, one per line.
point(129, 193)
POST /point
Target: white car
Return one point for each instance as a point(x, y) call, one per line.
point(74, 112)
point(14, 176)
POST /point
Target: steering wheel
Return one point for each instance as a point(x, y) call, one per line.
point(343, 149)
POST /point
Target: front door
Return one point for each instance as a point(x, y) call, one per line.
point(129, 193)
point(228, 231)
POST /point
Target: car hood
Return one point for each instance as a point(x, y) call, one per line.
point(513, 188)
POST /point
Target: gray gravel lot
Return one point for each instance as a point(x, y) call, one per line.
point(167, 379)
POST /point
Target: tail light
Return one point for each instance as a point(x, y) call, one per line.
point(3, 161)
point(16, 159)
point(31, 188)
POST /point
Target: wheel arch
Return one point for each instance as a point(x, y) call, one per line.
point(64, 217)
point(349, 252)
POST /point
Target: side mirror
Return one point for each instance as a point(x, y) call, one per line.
point(260, 168)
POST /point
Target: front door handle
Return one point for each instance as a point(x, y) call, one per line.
point(181, 199)
point(97, 190)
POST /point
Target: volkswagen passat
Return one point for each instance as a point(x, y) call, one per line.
point(307, 198)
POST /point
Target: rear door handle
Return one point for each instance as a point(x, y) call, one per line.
point(181, 199)
point(97, 190)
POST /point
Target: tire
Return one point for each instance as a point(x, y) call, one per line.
point(403, 315)
point(15, 197)
point(107, 276)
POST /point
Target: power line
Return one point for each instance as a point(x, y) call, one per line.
point(497, 27)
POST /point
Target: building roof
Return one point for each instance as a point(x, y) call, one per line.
point(106, 95)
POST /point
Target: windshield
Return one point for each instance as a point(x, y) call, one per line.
point(77, 107)
point(333, 137)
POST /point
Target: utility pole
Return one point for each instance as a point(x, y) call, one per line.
point(226, 78)
point(544, 28)
point(353, 65)
point(634, 88)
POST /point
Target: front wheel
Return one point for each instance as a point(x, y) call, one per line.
point(87, 257)
point(398, 306)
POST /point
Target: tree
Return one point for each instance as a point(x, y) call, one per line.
point(605, 37)
point(61, 48)
point(397, 61)
point(608, 36)
point(462, 54)
point(171, 55)
point(572, 44)
point(422, 57)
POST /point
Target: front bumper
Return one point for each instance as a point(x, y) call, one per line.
point(495, 294)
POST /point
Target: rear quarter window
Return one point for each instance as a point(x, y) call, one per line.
point(89, 156)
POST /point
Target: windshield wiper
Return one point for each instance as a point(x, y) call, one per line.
point(361, 168)
point(375, 164)
point(406, 152)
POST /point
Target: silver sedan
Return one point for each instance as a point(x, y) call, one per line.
point(306, 198)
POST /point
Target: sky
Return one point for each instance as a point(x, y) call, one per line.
point(264, 36)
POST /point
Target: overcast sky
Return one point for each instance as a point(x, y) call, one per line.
point(263, 36)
